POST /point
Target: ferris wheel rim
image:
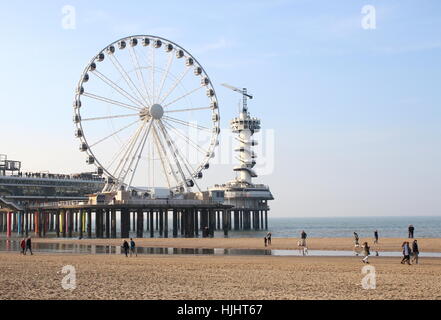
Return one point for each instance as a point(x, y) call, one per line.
point(213, 99)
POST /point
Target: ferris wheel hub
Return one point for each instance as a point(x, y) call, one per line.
point(156, 111)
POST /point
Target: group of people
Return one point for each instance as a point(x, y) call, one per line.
point(129, 249)
point(409, 252)
point(25, 245)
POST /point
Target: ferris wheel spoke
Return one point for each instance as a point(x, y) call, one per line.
point(107, 100)
point(161, 155)
point(111, 117)
point(185, 123)
point(118, 89)
point(186, 162)
point(187, 110)
point(127, 78)
point(164, 151)
point(175, 84)
point(168, 160)
point(183, 159)
point(113, 134)
point(139, 74)
point(124, 159)
point(153, 73)
point(183, 96)
point(123, 147)
point(191, 142)
point(142, 144)
point(131, 156)
point(126, 149)
point(165, 74)
point(173, 150)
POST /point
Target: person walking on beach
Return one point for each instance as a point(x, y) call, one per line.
point(406, 253)
point(133, 248)
point(29, 245)
point(415, 251)
point(268, 237)
point(376, 236)
point(265, 240)
point(366, 252)
point(411, 230)
point(23, 246)
point(356, 238)
point(126, 247)
point(303, 236)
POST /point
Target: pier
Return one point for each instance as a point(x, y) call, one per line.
point(151, 218)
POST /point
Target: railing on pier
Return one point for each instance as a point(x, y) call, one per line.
point(146, 202)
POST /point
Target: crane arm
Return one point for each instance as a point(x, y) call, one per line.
point(237, 90)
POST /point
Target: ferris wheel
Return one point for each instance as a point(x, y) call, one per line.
point(146, 115)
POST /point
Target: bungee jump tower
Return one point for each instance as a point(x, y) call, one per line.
point(249, 200)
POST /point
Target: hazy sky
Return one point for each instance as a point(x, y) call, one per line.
point(355, 113)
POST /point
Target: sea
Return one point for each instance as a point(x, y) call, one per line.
point(330, 227)
point(340, 227)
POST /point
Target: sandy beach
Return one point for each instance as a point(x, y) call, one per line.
point(385, 244)
point(213, 277)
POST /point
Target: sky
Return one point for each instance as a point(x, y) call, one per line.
point(350, 116)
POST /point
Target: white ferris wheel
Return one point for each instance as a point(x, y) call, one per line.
point(147, 115)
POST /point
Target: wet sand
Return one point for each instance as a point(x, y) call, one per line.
point(386, 244)
point(213, 277)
